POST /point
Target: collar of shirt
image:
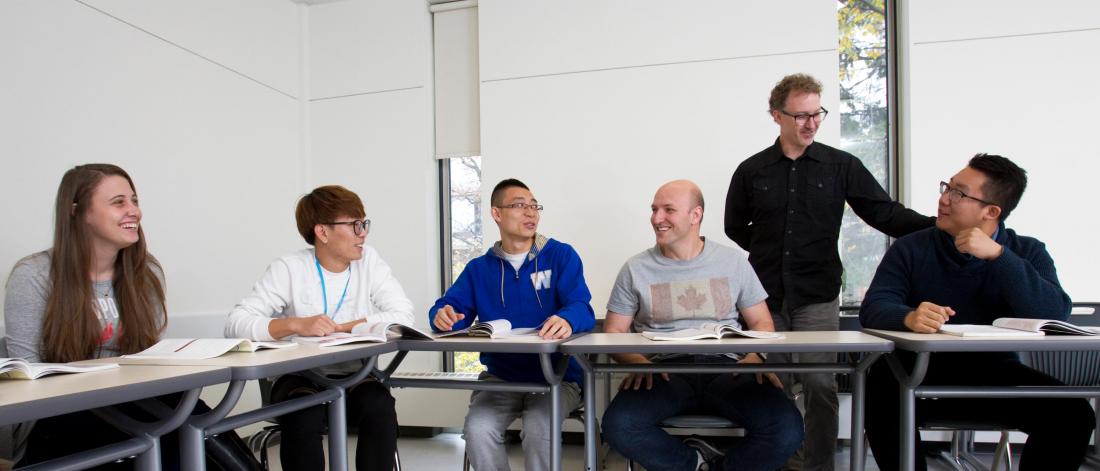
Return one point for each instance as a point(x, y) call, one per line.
point(814, 152)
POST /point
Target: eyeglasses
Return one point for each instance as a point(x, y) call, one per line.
point(802, 117)
point(955, 195)
point(523, 206)
point(358, 227)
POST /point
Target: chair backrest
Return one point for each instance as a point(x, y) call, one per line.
point(1072, 368)
point(1085, 314)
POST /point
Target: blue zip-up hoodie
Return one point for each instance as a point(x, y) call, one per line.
point(550, 281)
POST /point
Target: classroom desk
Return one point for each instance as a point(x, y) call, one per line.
point(66, 393)
point(244, 367)
point(553, 373)
point(925, 344)
point(794, 342)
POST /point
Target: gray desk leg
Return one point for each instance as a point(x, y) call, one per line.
point(193, 432)
point(151, 432)
point(338, 433)
point(859, 399)
point(553, 374)
point(909, 383)
point(590, 432)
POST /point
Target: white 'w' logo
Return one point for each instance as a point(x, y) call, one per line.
point(541, 279)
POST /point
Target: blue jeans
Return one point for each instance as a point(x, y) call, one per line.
point(773, 425)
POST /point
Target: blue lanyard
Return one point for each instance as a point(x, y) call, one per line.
point(324, 292)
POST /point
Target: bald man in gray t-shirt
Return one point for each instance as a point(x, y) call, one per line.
point(680, 283)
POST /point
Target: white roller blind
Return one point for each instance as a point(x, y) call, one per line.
point(457, 96)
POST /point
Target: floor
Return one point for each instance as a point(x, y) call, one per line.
point(444, 451)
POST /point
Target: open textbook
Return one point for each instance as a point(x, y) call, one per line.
point(494, 329)
point(1017, 327)
point(368, 332)
point(202, 349)
point(711, 330)
point(18, 368)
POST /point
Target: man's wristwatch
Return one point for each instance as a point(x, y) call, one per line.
point(763, 356)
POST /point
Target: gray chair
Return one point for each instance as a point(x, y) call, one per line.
point(693, 422)
point(1074, 368)
point(1071, 368)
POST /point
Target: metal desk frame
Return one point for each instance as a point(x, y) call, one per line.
point(794, 342)
point(552, 371)
point(925, 344)
point(244, 367)
point(145, 443)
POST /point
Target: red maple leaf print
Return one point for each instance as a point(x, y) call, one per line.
point(691, 300)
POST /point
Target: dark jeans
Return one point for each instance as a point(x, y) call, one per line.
point(773, 425)
point(63, 435)
point(370, 407)
point(1058, 430)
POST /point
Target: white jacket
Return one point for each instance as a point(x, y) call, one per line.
point(292, 288)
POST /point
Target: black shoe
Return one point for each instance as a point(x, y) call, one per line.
point(712, 457)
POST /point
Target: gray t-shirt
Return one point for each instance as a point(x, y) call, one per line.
point(666, 294)
point(25, 300)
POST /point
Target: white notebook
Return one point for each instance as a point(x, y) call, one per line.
point(202, 349)
point(18, 368)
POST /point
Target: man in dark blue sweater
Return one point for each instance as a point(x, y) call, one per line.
point(971, 269)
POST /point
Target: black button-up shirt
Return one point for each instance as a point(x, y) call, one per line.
point(787, 214)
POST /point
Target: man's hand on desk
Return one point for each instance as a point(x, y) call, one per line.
point(446, 317)
point(928, 318)
point(313, 326)
point(555, 328)
point(754, 358)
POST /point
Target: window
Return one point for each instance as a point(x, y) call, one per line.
point(864, 130)
point(464, 179)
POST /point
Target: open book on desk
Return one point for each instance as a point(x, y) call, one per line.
point(202, 349)
point(710, 330)
point(18, 368)
point(368, 332)
point(494, 329)
point(1017, 327)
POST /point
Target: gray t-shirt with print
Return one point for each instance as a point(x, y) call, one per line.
point(28, 291)
point(665, 294)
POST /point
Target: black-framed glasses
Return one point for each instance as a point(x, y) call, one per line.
point(522, 206)
point(358, 227)
point(954, 195)
point(801, 118)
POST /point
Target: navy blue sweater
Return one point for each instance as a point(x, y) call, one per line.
point(926, 266)
point(549, 282)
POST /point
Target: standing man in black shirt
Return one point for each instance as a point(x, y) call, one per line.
point(785, 206)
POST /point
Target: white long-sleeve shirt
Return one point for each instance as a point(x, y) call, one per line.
point(291, 288)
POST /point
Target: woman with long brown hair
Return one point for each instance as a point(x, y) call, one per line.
point(96, 293)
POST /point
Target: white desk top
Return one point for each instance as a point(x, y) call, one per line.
point(277, 361)
point(22, 400)
point(794, 342)
point(915, 342)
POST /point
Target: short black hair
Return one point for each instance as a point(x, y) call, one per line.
point(498, 191)
point(1005, 181)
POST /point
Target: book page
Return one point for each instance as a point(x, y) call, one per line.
point(975, 330)
point(187, 349)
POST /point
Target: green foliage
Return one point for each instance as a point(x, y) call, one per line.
point(864, 129)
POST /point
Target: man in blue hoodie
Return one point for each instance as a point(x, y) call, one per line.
point(532, 281)
point(971, 269)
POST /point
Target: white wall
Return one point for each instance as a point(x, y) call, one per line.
point(596, 104)
point(225, 113)
point(1013, 78)
point(371, 130)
